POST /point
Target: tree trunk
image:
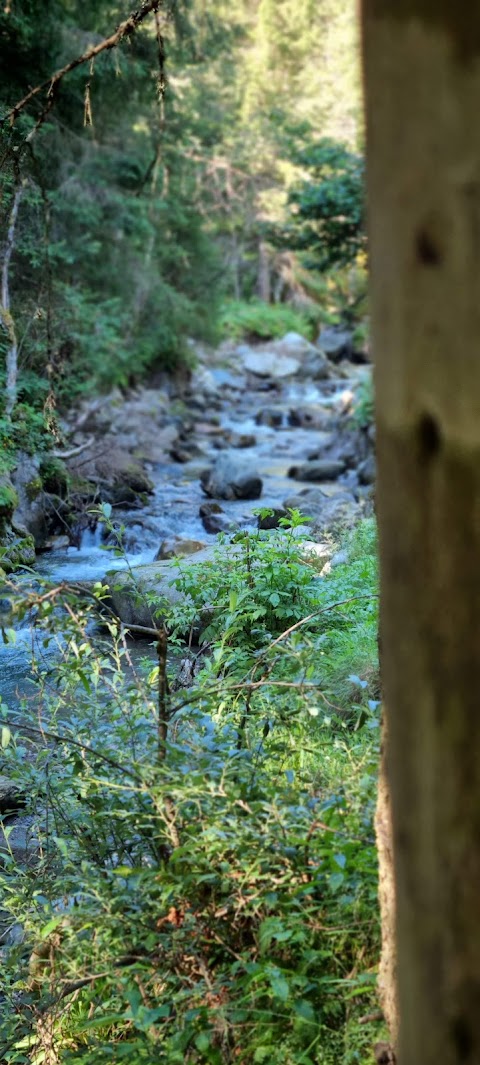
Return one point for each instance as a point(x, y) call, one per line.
point(422, 69)
point(6, 318)
point(263, 274)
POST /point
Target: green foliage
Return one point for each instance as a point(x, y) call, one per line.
point(327, 209)
point(364, 402)
point(205, 886)
point(265, 321)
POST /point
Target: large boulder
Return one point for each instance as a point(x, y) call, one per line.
point(330, 507)
point(266, 361)
point(231, 478)
point(291, 355)
point(143, 595)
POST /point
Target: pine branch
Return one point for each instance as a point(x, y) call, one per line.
point(50, 86)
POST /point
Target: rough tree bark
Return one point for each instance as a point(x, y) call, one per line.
point(422, 72)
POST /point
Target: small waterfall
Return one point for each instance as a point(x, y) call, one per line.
point(91, 539)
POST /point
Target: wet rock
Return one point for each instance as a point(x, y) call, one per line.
point(215, 520)
point(336, 343)
point(203, 380)
point(230, 478)
point(177, 547)
point(323, 470)
point(367, 471)
point(241, 440)
point(271, 416)
point(56, 543)
point(11, 796)
point(310, 417)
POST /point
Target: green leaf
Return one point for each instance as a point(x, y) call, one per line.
point(6, 736)
point(279, 986)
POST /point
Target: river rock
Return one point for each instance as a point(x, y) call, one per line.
point(231, 478)
point(270, 416)
point(176, 547)
point(328, 509)
point(31, 511)
point(367, 471)
point(241, 440)
point(336, 343)
point(309, 417)
point(272, 520)
point(215, 520)
point(322, 470)
point(268, 361)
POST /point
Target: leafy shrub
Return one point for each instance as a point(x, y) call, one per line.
point(206, 880)
point(327, 210)
point(265, 321)
point(364, 402)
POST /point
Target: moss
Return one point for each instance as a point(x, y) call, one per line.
point(33, 488)
point(18, 553)
point(8, 501)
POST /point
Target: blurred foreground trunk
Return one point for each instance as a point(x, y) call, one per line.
point(422, 73)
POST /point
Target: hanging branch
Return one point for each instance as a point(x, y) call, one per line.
point(6, 318)
point(50, 86)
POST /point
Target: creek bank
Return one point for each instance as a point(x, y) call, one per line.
point(237, 429)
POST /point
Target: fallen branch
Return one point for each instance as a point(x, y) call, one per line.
point(74, 450)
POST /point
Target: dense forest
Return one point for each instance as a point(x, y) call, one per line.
point(190, 699)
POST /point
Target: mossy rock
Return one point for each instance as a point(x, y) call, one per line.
point(18, 552)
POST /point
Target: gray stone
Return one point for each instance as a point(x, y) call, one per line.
point(323, 470)
point(131, 592)
point(330, 507)
point(337, 343)
point(264, 361)
point(31, 509)
point(367, 471)
point(231, 478)
point(271, 416)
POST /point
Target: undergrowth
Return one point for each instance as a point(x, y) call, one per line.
point(202, 883)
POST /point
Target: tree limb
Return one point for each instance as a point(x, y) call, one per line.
point(50, 86)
